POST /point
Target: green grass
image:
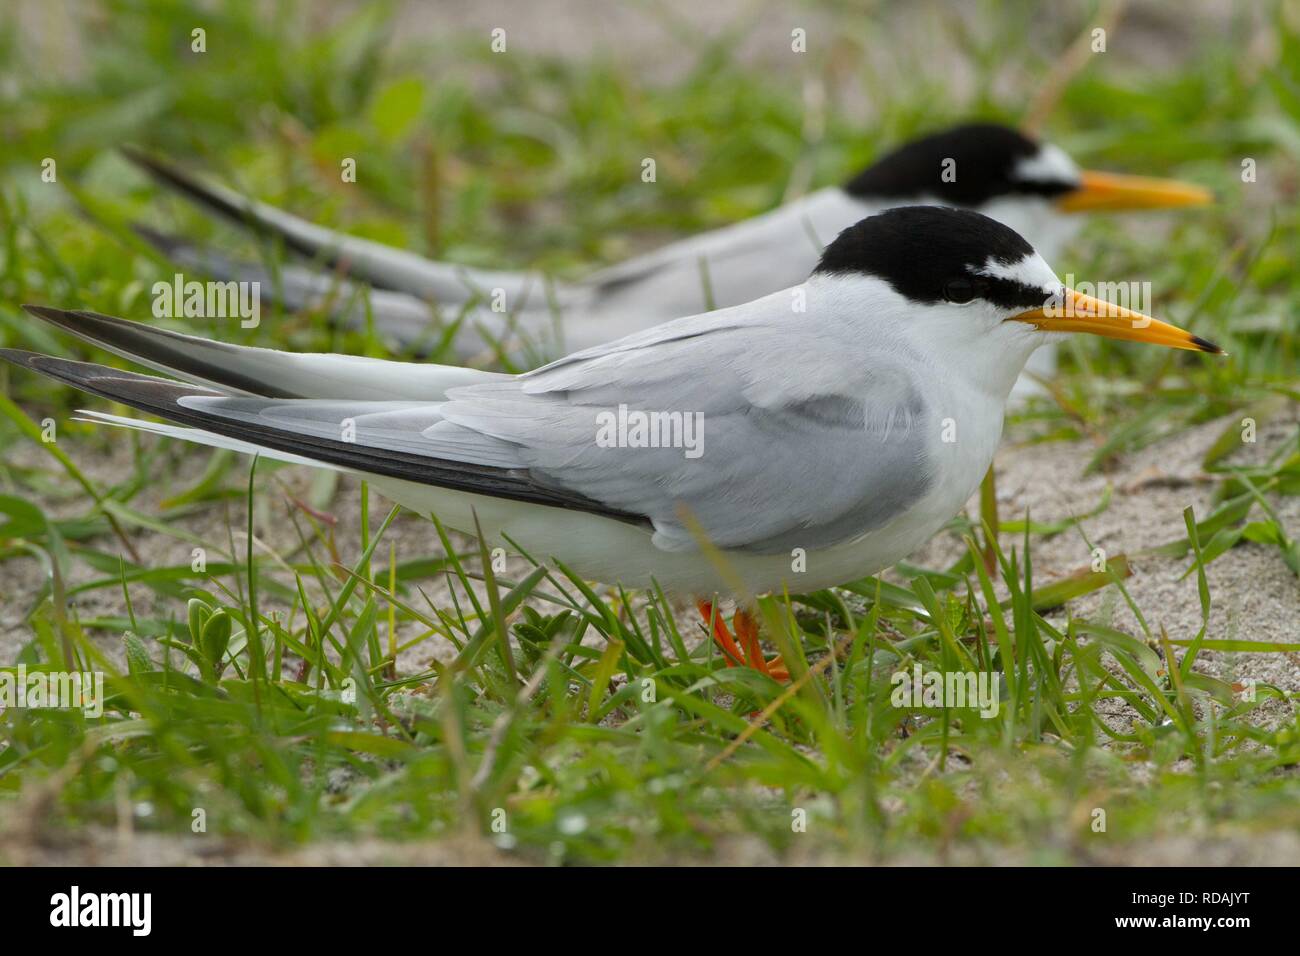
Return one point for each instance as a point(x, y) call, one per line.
point(264, 691)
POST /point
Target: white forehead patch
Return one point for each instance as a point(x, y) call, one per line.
point(1049, 165)
point(1031, 271)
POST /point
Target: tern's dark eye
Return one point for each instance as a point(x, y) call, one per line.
point(959, 291)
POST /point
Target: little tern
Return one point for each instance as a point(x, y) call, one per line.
point(847, 418)
point(1034, 188)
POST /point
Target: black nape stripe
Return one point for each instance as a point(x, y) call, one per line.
point(983, 160)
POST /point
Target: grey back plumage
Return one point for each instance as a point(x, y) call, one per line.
point(832, 432)
point(842, 444)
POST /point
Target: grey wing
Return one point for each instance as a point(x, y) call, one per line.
point(767, 447)
point(779, 447)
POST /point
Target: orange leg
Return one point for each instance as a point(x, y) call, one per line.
point(746, 626)
point(730, 652)
point(747, 632)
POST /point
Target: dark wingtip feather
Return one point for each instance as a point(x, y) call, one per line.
point(156, 166)
point(161, 397)
point(47, 312)
point(19, 357)
point(72, 320)
point(190, 186)
point(170, 351)
point(134, 153)
point(235, 208)
point(118, 385)
point(164, 242)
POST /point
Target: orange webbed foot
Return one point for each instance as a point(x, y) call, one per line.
point(744, 649)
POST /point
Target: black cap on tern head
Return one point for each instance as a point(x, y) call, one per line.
point(980, 160)
point(934, 254)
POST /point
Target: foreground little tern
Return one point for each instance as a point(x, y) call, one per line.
point(1034, 188)
point(846, 419)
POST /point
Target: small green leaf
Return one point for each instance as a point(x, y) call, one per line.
point(1264, 532)
point(199, 612)
point(396, 108)
point(137, 657)
point(215, 639)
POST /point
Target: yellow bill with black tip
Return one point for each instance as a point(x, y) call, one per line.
point(1075, 312)
point(1099, 192)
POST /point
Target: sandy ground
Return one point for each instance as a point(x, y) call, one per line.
point(1256, 597)
point(100, 846)
point(661, 40)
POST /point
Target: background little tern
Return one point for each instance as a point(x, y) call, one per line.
point(1034, 188)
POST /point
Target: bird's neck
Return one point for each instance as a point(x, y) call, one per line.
point(994, 373)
